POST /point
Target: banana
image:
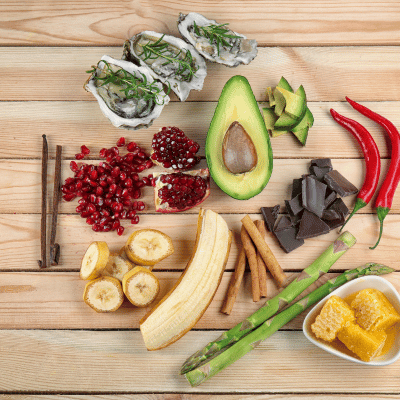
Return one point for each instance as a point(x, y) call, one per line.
point(104, 294)
point(94, 260)
point(117, 266)
point(148, 246)
point(140, 286)
point(183, 306)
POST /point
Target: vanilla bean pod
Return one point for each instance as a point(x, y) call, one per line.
point(55, 247)
point(43, 240)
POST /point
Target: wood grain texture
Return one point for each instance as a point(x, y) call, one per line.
point(54, 301)
point(327, 74)
point(117, 362)
point(19, 235)
point(270, 22)
point(72, 124)
point(198, 396)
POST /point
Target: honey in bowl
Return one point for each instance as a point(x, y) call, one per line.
point(362, 324)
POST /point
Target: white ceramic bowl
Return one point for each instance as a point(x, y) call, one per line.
point(375, 282)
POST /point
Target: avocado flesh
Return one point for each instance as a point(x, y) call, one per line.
point(295, 104)
point(270, 118)
point(280, 102)
point(284, 84)
point(237, 103)
point(301, 130)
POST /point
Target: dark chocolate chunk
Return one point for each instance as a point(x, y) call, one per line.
point(287, 239)
point(331, 215)
point(295, 205)
point(313, 195)
point(319, 172)
point(340, 207)
point(296, 189)
point(339, 184)
point(270, 214)
point(311, 226)
point(329, 198)
point(296, 218)
point(283, 223)
point(335, 223)
point(322, 163)
point(341, 210)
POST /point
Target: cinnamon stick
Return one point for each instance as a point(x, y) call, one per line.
point(43, 239)
point(234, 284)
point(262, 269)
point(252, 259)
point(270, 261)
point(55, 247)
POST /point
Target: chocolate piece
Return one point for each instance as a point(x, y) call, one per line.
point(319, 172)
point(296, 218)
point(331, 215)
point(342, 211)
point(287, 239)
point(322, 163)
point(339, 184)
point(283, 223)
point(311, 226)
point(270, 214)
point(329, 198)
point(340, 207)
point(295, 205)
point(335, 223)
point(313, 195)
point(296, 189)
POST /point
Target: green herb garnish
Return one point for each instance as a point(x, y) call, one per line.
point(216, 34)
point(133, 87)
point(186, 66)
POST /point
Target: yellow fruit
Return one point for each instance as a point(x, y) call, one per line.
point(94, 260)
point(117, 267)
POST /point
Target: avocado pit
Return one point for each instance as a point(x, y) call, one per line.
point(238, 151)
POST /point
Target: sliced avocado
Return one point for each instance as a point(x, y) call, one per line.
point(295, 104)
point(301, 130)
point(284, 84)
point(301, 135)
point(270, 97)
point(280, 102)
point(237, 132)
point(275, 133)
point(269, 117)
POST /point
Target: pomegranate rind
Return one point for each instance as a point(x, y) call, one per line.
point(165, 208)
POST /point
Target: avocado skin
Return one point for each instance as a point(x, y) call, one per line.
point(237, 103)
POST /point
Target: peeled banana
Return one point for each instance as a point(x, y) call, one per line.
point(184, 305)
point(148, 246)
point(104, 294)
point(117, 266)
point(94, 260)
point(140, 286)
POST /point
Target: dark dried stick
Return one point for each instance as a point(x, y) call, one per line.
point(55, 247)
point(43, 239)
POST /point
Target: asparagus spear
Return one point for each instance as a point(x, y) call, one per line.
point(272, 306)
point(253, 339)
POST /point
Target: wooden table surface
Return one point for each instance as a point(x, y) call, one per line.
point(52, 345)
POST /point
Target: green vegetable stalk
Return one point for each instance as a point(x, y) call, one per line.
point(253, 339)
point(309, 275)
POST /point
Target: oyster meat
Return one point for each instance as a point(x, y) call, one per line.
point(127, 94)
point(171, 60)
point(216, 42)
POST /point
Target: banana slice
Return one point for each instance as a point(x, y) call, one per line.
point(117, 266)
point(148, 246)
point(140, 286)
point(94, 260)
point(104, 294)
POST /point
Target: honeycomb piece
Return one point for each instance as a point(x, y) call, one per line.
point(366, 345)
point(334, 315)
point(373, 310)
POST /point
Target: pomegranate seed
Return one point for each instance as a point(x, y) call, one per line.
point(115, 172)
point(121, 142)
point(122, 176)
point(79, 156)
point(99, 191)
point(112, 188)
point(115, 224)
point(80, 208)
point(74, 166)
point(103, 153)
point(108, 202)
point(131, 214)
point(135, 220)
point(84, 150)
point(91, 208)
point(96, 227)
point(69, 196)
point(140, 206)
point(128, 182)
point(124, 215)
point(90, 221)
point(131, 146)
point(120, 230)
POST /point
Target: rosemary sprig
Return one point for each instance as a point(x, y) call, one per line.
point(186, 66)
point(133, 87)
point(216, 34)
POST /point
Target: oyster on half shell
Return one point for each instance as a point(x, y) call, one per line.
point(127, 94)
point(216, 42)
point(171, 60)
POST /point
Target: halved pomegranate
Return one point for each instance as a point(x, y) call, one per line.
point(172, 149)
point(178, 191)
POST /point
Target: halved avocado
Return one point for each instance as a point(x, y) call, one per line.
point(238, 149)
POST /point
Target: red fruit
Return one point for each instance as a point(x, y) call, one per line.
point(74, 166)
point(131, 146)
point(173, 149)
point(120, 230)
point(84, 150)
point(176, 192)
point(121, 142)
point(79, 156)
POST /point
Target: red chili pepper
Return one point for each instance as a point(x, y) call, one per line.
point(384, 200)
point(371, 156)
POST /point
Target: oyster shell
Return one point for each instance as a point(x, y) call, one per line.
point(171, 60)
point(233, 51)
point(123, 107)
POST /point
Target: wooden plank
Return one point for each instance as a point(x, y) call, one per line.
point(271, 23)
point(327, 74)
point(20, 187)
point(20, 244)
point(72, 124)
point(54, 301)
point(117, 361)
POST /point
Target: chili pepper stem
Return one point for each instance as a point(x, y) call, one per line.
point(381, 212)
point(359, 204)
